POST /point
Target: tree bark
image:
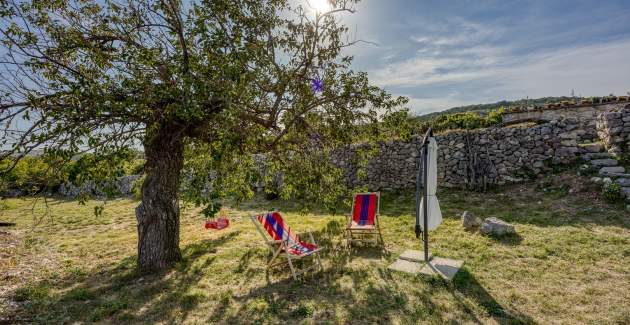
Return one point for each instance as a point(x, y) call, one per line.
point(158, 214)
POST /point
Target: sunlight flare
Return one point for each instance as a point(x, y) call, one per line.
point(320, 6)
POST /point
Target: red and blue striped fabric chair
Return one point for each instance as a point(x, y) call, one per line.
point(363, 224)
point(280, 239)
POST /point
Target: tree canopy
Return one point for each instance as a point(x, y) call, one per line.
point(202, 86)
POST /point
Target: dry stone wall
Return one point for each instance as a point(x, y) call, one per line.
point(613, 127)
point(501, 155)
point(586, 115)
point(121, 186)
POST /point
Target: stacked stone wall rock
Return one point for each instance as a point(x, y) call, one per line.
point(121, 186)
point(586, 115)
point(501, 154)
point(613, 128)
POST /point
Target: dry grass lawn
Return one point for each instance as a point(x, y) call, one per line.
point(569, 264)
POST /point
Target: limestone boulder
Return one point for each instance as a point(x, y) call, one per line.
point(469, 221)
point(496, 227)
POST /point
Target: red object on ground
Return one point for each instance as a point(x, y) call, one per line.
point(218, 223)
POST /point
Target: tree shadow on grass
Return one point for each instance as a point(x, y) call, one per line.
point(509, 240)
point(358, 293)
point(466, 284)
point(109, 294)
point(359, 296)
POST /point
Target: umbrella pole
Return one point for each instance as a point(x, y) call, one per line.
point(418, 229)
point(425, 152)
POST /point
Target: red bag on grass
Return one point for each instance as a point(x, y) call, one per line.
point(219, 223)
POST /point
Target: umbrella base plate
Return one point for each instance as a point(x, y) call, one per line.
point(412, 255)
point(444, 267)
point(413, 262)
point(406, 266)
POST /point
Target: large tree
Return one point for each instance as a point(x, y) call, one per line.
point(203, 86)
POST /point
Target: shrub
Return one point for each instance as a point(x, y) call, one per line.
point(32, 174)
point(612, 193)
point(465, 120)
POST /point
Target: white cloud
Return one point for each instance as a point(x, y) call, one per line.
point(433, 104)
point(596, 69)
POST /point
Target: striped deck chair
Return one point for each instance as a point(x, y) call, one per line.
point(363, 224)
point(281, 239)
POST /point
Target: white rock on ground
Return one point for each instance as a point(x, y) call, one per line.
point(469, 221)
point(496, 226)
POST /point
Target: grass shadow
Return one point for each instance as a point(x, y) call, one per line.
point(468, 286)
point(509, 240)
point(108, 294)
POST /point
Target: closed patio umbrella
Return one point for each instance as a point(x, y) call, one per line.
point(434, 215)
point(428, 216)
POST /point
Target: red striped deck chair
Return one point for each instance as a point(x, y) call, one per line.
point(281, 239)
point(363, 224)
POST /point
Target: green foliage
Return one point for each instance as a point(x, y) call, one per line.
point(487, 108)
point(611, 192)
point(103, 167)
point(202, 85)
point(226, 79)
point(398, 125)
point(495, 116)
point(465, 121)
point(32, 174)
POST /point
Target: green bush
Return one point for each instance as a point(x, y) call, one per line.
point(612, 193)
point(32, 174)
point(465, 120)
point(47, 172)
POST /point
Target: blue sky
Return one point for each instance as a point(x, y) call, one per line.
point(449, 53)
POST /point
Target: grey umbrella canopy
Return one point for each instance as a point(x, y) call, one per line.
point(428, 213)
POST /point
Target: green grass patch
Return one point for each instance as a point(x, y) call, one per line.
point(569, 263)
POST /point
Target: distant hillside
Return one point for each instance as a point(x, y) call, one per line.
point(485, 108)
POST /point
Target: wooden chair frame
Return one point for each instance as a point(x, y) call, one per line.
point(372, 235)
point(279, 246)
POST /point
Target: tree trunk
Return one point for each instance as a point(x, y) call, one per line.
point(158, 214)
